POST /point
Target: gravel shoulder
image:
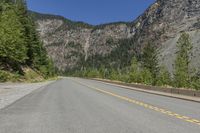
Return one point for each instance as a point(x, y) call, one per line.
point(11, 92)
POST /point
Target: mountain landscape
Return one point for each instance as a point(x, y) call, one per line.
point(160, 47)
point(64, 76)
point(75, 45)
point(71, 43)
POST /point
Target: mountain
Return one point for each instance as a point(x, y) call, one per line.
point(163, 22)
point(73, 45)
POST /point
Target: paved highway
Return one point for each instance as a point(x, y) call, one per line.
point(73, 105)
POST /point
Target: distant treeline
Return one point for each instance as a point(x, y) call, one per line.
point(124, 66)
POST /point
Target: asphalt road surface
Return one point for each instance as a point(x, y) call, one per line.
point(73, 105)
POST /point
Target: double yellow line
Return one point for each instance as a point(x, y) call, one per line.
point(148, 106)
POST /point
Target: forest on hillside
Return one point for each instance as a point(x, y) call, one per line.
point(22, 54)
point(143, 69)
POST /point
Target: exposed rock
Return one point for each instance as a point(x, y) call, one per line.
point(69, 43)
point(162, 25)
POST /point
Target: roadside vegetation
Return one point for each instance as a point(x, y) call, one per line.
point(146, 70)
point(22, 55)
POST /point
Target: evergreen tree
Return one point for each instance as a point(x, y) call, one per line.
point(164, 77)
point(146, 77)
point(114, 74)
point(12, 43)
point(20, 44)
point(181, 75)
point(37, 55)
point(135, 72)
point(30, 35)
point(150, 61)
point(196, 81)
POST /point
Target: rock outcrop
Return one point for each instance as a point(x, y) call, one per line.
point(162, 24)
point(69, 43)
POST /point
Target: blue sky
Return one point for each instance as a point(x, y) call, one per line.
point(92, 11)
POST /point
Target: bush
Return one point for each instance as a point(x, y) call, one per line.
point(196, 84)
point(4, 76)
point(92, 73)
point(114, 75)
point(7, 76)
point(164, 77)
point(124, 78)
point(135, 72)
point(147, 77)
point(32, 76)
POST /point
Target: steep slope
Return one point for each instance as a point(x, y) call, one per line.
point(70, 43)
point(162, 24)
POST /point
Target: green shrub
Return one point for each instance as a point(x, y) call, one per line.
point(135, 72)
point(4, 76)
point(92, 73)
point(147, 77)
point(7, 76)
point(32, 76)
point(195, 81)
point(124, 78)
point(114, 74)
point(196, 84)
point(164, 77)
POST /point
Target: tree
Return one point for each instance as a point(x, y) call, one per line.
point(135, 72)
point(20, 45)
point(164, 77)
point(30, 33)
point(12, 43)
point(114, 74)
point(150, 60)
point(181, 75)
point(92, 73)
point(196, 81)
point(146, 77)
point(37, 55)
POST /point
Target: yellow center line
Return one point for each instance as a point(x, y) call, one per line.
point(148, 106)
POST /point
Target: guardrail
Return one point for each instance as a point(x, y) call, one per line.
point(185, 92)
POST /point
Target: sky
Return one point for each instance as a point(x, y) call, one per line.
point(92, 11)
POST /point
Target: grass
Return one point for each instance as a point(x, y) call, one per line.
point(8, 76)
point(30, 76)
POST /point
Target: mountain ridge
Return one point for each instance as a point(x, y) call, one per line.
point(160, 24)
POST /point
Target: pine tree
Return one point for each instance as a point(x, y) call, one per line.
point(12, 43)
point(20, 44)
point(146, 77)
point(150, 61)
point(196, 81)
point(181, 75)
point(135, 72)
point(164, 77)
point(29, 31)
point(37, 55)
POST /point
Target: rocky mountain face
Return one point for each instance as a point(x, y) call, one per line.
point(71, 43)
point(162, 25)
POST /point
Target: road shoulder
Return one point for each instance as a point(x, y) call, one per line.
point(11, 92)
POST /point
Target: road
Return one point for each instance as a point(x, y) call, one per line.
point(73, 105)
